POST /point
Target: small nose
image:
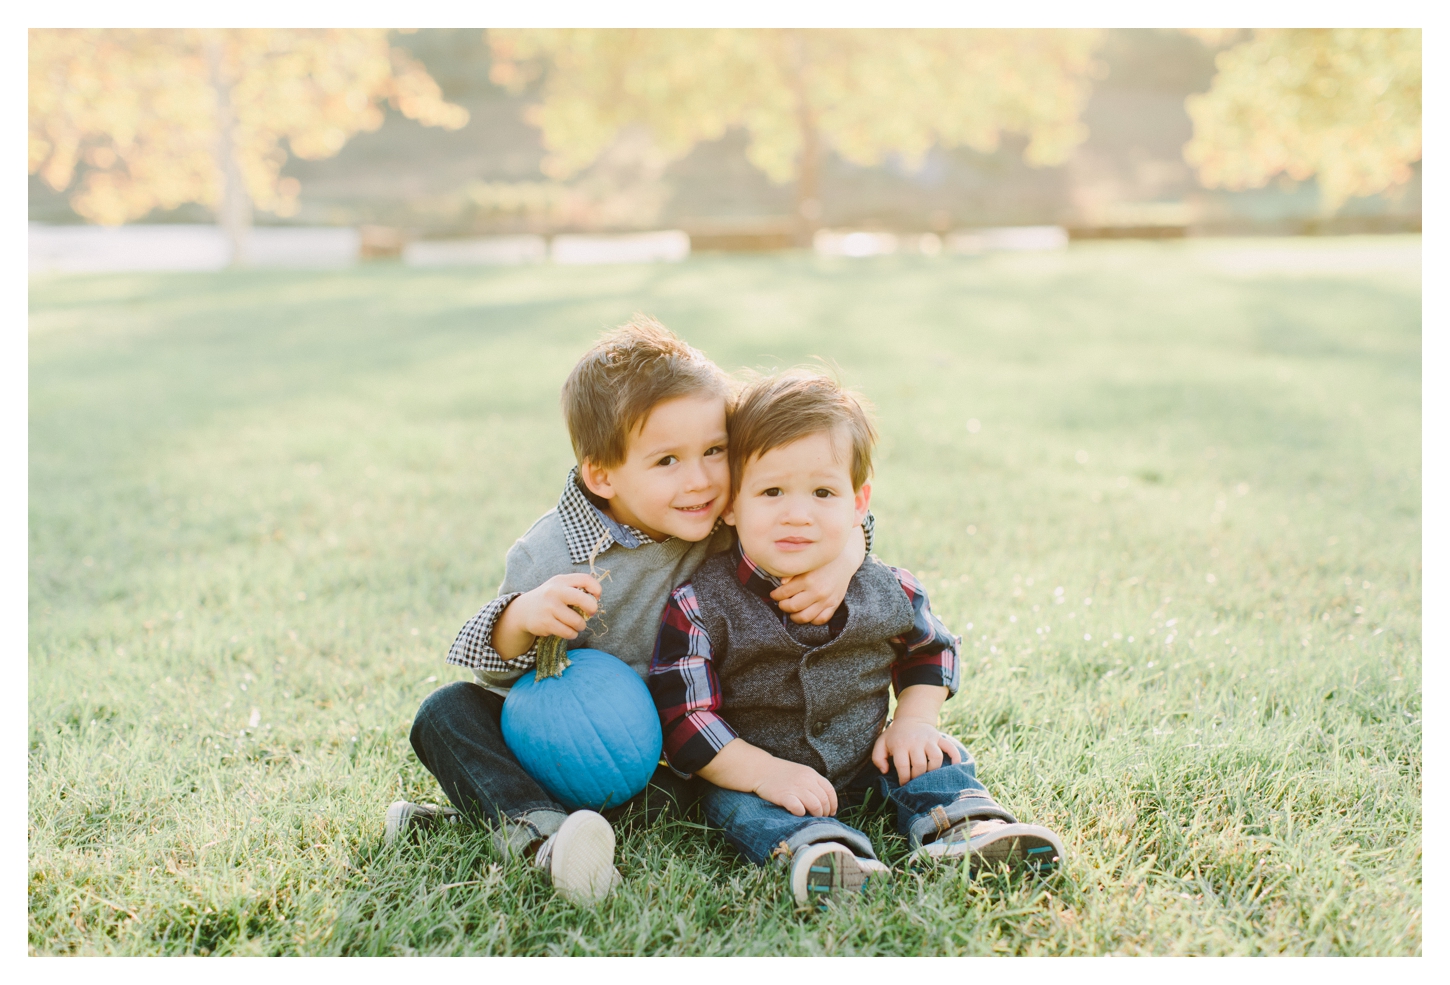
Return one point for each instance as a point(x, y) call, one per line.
point(698, 478)
point(796, 511)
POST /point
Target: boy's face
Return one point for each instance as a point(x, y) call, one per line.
point(796, 507)
point(674, 479)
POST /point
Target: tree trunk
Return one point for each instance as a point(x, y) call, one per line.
point(808, 167)
point(235, 212)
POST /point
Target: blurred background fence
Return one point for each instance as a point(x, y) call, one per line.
point(431, 145)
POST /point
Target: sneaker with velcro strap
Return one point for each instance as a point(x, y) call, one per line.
point(993, 843)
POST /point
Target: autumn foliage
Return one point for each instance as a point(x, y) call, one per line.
point(137, 120)
point(130, 121)
point(1342, 106)
point(865, 94)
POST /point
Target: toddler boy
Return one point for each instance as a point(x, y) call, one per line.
point(646, 415)
point(786, 722)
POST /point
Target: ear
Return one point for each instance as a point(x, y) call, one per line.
point(863, 501)
point(729, 515)
point(596, 479)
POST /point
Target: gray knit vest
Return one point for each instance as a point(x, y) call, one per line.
point(796, 693)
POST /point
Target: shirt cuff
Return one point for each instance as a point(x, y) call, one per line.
point(932, 676)
point(941, 669)
point(695, 740)
point(473, 648)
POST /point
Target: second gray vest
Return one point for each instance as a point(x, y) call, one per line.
point(798, 694)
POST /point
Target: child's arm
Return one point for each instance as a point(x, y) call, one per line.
point(814, 596)
point(912, 740)
point(797, 788)
point(698, 740)
point(925, 674)
point(474, 647)
point(559, 607)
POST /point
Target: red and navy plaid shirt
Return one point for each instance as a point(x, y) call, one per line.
point(686, 689)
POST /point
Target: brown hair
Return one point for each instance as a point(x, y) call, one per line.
point(777, 410)
point(627, 373)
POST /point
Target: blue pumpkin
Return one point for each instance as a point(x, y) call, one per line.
point(584, 726)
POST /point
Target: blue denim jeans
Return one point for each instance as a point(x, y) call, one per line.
point(457, 736)
point(925, 807)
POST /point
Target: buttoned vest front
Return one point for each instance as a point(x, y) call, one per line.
point(797, 693)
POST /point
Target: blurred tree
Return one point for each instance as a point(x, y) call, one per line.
point(1340, 105)
point(163, 117)
point(864, 93)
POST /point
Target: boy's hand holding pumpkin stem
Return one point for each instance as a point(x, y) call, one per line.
point(557, 610)
point(551, 656)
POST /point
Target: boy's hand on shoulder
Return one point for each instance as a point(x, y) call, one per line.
point(797, 788)
point(814, 596)
point(553, 609)
point(915, 746)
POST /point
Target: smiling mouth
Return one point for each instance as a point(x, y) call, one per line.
point(701, 508)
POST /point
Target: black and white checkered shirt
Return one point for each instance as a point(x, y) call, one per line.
point(588, 532)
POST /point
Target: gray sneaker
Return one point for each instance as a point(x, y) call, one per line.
point(828, 869)
point(995, 842)
point(405, 818)
point(579, 858)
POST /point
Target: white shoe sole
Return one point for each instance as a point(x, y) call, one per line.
point(829, 869)
point(402, 815)
point(1025, 846)
point(581, 864)
point(399, 812)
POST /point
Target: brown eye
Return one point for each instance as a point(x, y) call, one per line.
point(823, 493)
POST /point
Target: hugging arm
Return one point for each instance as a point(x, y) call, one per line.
point(814, 596)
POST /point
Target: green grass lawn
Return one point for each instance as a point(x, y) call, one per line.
point(1167, 493)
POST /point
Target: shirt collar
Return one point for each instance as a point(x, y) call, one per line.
point(588, 530)
point(753, 576)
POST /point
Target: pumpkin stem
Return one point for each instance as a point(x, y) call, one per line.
point(551, 659)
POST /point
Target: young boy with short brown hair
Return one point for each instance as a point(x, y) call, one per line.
point(786, 723)
point(647, 417)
